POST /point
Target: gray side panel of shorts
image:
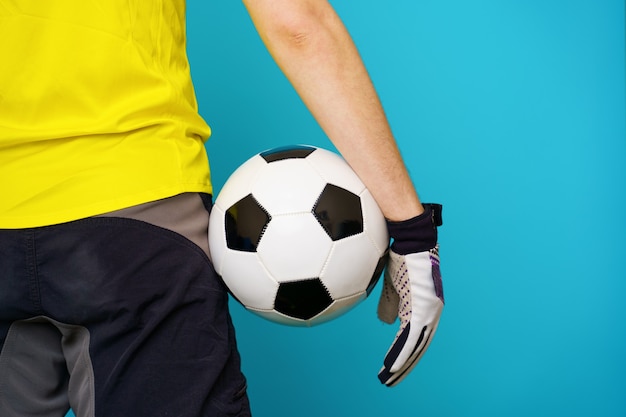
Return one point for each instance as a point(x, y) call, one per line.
point(184, 214)
point(36, 362)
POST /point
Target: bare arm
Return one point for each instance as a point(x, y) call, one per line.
point(310, 44)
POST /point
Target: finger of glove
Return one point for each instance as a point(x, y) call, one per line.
point(393, 378)
point(388, 374)
point(388, 302)
point(408, 340)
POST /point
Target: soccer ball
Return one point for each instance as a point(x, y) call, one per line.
point(296, 236)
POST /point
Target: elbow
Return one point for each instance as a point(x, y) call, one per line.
point(300, 29)
point(298, 37)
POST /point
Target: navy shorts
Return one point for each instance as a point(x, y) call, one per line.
point(115, 316)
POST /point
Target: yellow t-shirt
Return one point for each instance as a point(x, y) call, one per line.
point(97, 109)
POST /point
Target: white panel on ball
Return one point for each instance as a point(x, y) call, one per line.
point(240, 182)
point(335, 170)
point(351, 265)
point(296, 192)
point(294, 247)
point(277, 317)
point(252, 286)
point(217, 238)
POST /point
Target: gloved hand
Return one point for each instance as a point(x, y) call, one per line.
point(412, 291)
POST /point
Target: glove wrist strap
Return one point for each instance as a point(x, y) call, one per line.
point(417, 234)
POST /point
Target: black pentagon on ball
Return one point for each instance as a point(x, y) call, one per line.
point(339, 212)
point(303, 299)
point(245, 223)
point(287, 152)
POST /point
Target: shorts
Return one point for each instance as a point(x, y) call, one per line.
point(117, 315)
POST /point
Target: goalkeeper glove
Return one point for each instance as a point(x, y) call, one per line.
point(412, 291)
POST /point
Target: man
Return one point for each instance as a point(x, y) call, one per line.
point(108, 301)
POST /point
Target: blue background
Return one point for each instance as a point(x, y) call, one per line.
point(511, 114)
